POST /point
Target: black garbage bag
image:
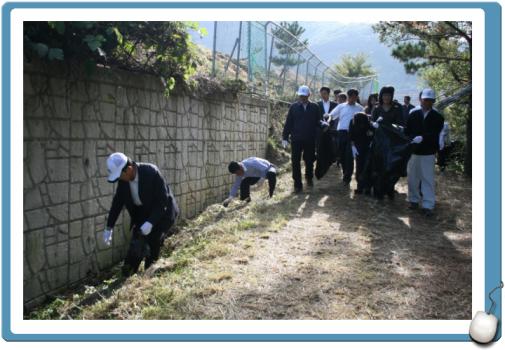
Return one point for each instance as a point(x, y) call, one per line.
point(390, 152)
point(137, 251)
point(326, 154)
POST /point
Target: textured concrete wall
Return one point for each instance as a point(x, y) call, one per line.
point(73, 121)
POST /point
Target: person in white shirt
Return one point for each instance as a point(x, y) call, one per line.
point(342, 116)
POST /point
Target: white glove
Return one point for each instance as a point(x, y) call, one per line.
point(375, 125)
point(284, 143)
point(227, 201)
point(326, 116)
point(107, 236)
point(379, 119)
point(354, 151)
point(146, 228)
point(417, 139)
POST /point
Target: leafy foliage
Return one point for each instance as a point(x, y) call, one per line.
point(161, 48)
point(354, 66)
point(288, 45)
point(441, 52)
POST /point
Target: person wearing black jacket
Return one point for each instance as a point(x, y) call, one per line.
point(390, 111)
point(406, 107)
point(302, 123)
point(424, 126)
point(325, 105)
point(361, 133)
point(150, 203)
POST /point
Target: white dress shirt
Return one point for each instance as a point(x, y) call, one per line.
point(344, 112)
point(326, 106)
point(134, 188)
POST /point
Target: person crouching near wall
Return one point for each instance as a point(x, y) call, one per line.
point(150, 203)
point(251, 171)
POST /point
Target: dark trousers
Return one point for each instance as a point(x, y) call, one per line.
point(361, 159)
point(147, 247)
point(442, 156)
point(308, 148)
point(245, 185)
point(345, 155)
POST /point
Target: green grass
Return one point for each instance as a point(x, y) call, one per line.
point(192, 271)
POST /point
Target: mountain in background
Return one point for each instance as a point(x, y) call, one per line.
point(331, 40)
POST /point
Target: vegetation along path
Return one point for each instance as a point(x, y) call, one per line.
point(322, 254)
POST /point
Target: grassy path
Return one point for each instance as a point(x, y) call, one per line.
point(322, 254)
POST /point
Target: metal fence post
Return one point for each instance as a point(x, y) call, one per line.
point(297, 69)
point(266, 59)
point(214, 50)
point(238, 51)
point(249, 62)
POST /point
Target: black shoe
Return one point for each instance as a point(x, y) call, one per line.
point(310, 183)
point(413, 206)
point(368, 193)
point(247, 199)
point(358, 191)
point(391, 195)
point(427, 212)
point(298, 190)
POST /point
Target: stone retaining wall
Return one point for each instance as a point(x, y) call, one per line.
point(73, 121)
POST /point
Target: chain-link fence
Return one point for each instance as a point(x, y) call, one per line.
point(273, 61)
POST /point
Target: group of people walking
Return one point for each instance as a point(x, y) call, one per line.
point(385, 139)
point(380, 138)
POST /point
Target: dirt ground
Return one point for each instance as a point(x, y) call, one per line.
point(342, 256)
point(323, 254)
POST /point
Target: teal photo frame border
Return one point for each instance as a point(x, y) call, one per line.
point(492, 11)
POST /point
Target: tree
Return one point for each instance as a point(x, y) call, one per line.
point(354, 66)
point(441, 52)
point(288, 44)
point(161, 48)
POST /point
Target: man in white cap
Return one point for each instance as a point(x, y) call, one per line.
point(150, 203)
point(302, 123)
point(423, 126)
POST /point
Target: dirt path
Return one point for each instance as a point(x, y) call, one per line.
point(347, 257)
point(322, 254)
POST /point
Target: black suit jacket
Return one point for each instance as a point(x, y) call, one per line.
point(302, 125)
point(158, 203)
point(429, 128)
point(321, 107)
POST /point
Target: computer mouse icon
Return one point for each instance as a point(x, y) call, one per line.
point(483, 327)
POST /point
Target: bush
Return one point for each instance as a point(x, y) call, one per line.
point(161, 48)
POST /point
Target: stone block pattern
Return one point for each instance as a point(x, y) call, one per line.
point(72, 122)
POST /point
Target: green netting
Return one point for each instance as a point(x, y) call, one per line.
point(272, 61)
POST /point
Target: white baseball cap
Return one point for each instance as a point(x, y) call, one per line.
point(115, 163)
point(303, 91)
point(428, 94)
